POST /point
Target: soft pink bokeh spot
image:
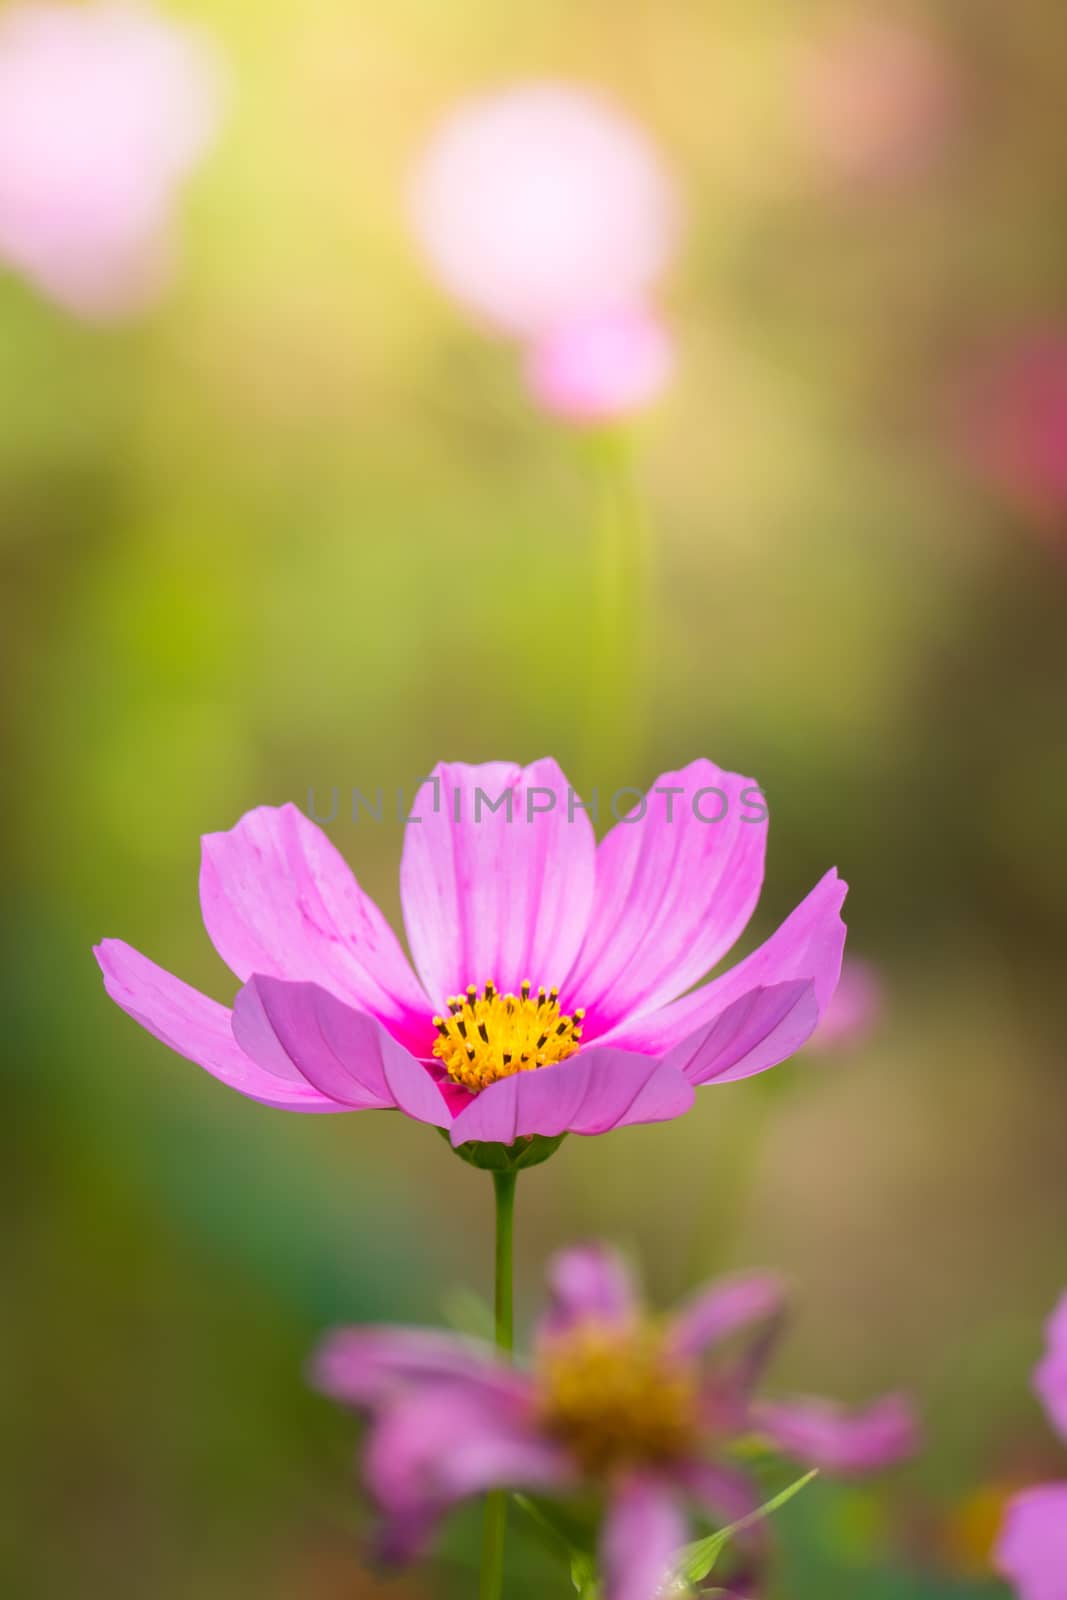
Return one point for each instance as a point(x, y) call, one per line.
point(855, 1009)
point(876, 100)
point(103, 110)
point(1031, 1549)
point(1015, 422)
point(600, 369)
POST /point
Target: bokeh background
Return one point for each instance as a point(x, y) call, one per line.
point(297, 525)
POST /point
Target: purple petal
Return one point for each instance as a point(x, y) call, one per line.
point(643, 1529)
point(847, 1444)
point(277, 898)
point(198, 1028)
point(592, 1092)
point(765, 992)
point(486, 897)
point(673, 893)
point(726, 1494)
point(363, 1366)
point(1050, 1379)
point(588, 1283)
point(1031, 1550)
point(299, 1030)
point(725, 1307)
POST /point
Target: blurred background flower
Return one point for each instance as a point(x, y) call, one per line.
point(1015, 424)
point(104, 109)
point(856, 1008)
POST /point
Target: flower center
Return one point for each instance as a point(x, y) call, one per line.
point(489, 1035)
point(617, 1397)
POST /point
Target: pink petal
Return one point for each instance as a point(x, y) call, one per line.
point(723, 1309)
point(1031, 1551)
point(606, 366)
point(279, 899)
point(806, 949)
point(824, 1435)
point(762, 1028)
point(363, 1366)
point(488, 898)
point(588, 1283)
point(1050, 1379)
point(643, 1530)
point(303, 1031)
point(673, 893)
point(198, 1028)
point(593, 1092)
point(726, 1494)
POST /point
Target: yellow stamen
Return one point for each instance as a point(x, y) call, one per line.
point(616, 1397)
point(489, 1035)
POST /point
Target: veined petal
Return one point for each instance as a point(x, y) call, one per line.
point(674, 891)
point(1031, 1550)
point(805, 950)
point(588, 1283)
point(756, 1032)
point(822, 1434)
point(496, 894)
point(278, 899)
point(198, 1028)
point(592, 1092)
point(1050, 1379)
point(643, 1529)
point(723, 1309)
point(365, 1365)
point(349, 1055)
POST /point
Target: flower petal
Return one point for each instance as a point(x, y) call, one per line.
point(588, 1283)
point(643, 1529)
point(498, 894)
point(824, 1435)
point(198, 1028)
point(1031, 1550)
point(277, 898)
point(346, 1054)
point(726, 1494)
point(673, 893)
point(805, 950)
point(1050, 1379)
point(592, 1092)
point(723, 1309)
point(363, 1366)
point(762, 1028)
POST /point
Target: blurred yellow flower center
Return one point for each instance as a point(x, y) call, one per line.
point(488, 1036)
point(617, 1397)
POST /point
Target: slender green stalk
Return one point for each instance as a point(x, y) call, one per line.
point(496, 1505)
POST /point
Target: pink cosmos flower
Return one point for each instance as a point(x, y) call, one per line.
point(647, 1411)
point(1031, 1550)
point(1015, 422)
point(547, 213)
point(104, 109)
point(876, 100)
point(548, 967)
point(858, 1002)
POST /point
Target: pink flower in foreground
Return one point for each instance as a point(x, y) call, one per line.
point(1032, 1548)
point(546, 212)
point(648, 1411)
point(104, 108)
point(876, 100)
point(548, 966)
point(1015, 423)
point(858, 1002)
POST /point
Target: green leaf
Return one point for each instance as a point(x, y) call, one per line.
point(695, 1561)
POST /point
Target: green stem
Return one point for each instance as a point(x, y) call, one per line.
point(496, 1505)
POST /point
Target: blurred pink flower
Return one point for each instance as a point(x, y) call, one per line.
point(1015, 422)
point(876, 100)
point(546, 966)
point(855, 1009)
point(1031, 1550)
point(104, 108)
point(649, 1411)
point(606, 367)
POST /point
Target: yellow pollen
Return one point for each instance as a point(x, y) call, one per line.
point(488, 1036)
point(617, 1398)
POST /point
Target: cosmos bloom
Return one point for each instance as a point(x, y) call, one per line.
point(1014, 422)
point(1032, 1548)
point(548, 966)
point(647, 1411)
point(104, 109)
point(854, 1011)
point(547, 213)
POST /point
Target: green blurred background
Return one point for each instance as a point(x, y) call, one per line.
point(299, 527)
